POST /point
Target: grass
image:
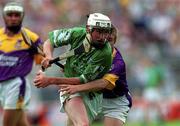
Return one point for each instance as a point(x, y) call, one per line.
point(174, 123)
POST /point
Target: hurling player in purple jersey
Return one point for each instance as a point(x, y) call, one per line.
point(16, 61)
point(116, 101)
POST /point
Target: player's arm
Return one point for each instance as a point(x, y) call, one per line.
point(90, 86)
point(57, 38)
point(41, 80)
point(48, 49)
point(107, 82)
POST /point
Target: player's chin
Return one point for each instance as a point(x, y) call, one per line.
point(98, 44)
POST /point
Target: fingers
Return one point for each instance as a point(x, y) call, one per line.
point(39, 72)
point(45, 63)
point(37, 83)
point(39, 80)
point(68, 89)
point(64, 93)
point(63, 88)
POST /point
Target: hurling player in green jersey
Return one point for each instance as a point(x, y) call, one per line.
point(117, 100)
point(81, 108)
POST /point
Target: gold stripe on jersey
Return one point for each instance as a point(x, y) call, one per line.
point(112, 79)
point(16, 42)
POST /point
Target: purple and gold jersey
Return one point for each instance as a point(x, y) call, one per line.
point(15, 57)
point(117, 77)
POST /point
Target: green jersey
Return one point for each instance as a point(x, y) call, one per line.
point(87, 66)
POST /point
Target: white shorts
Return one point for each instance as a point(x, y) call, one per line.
point(63, 98)
point(116, 107)
point(15, 93)
point(93, 103)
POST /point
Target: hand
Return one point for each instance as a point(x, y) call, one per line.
point(45, 62)
point(69, 89)
point(41, 80)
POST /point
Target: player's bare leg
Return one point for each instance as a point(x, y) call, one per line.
point(108, 121)
point(14, 118)
point(23, 121)
point(76, 111)
point(69, 122)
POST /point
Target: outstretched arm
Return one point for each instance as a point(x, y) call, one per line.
point(41, 80)
point(90, 86)
point(107, 82)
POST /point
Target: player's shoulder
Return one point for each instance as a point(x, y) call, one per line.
point(1, 31)
point(78, 32)
point(117, 53)
point(34, 36)
point(72, 30)
point(79, 29)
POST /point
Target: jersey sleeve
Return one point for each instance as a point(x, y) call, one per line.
point(111, 78)
point(63, 37)
point(60, 37)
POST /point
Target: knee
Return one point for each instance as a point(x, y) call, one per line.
point(83, 123)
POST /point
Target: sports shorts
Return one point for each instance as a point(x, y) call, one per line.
point(92, 101)
point(117, 108)
point(15, 93)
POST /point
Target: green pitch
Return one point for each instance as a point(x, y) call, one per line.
point(175, 123)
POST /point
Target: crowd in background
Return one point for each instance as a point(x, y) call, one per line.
point(148, 37)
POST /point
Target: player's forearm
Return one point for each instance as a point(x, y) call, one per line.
point(62, 80)
point(48, 49)
point(93, 86)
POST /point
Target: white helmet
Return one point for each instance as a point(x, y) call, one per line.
point(13, 7)
point(98, 20)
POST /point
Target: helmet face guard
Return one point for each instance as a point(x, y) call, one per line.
point(102, 25)
point(99, 21)
point(101, 30)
